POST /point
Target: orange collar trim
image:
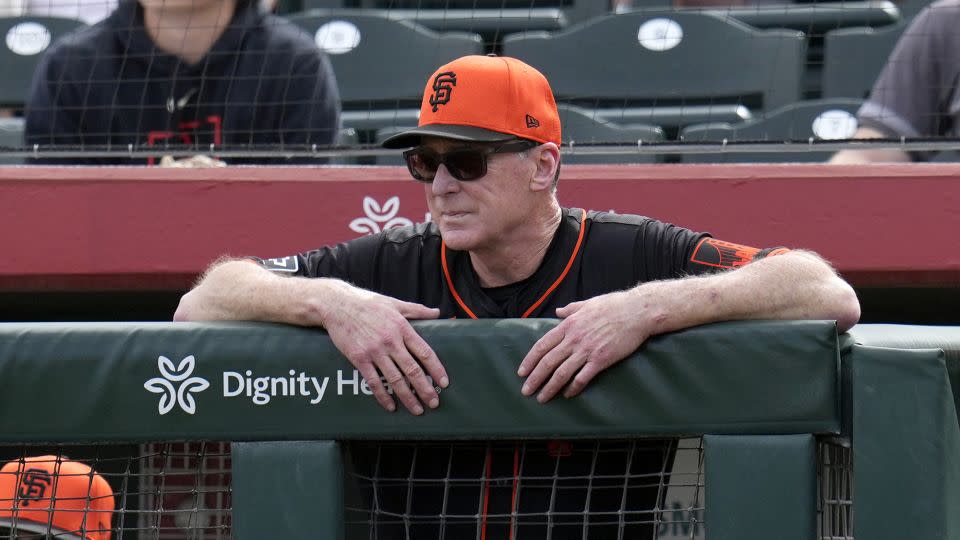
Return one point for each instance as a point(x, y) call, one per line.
point(543, 297)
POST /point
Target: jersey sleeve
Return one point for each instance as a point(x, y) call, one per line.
point(351, 261)
point(710, 255)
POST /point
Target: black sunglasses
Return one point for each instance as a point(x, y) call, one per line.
point(465, 164)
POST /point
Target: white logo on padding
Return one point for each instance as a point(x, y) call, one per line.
point(180, 394)
point(660, 34)
point(28, 38)
point(379, 218)
point(835, 124)
point(338, 37)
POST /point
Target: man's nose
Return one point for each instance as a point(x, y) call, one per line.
point(444, 182)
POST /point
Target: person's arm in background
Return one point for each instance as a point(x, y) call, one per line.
point(312, 105)
point(912, 95)
point(309, 107)
point(879, 155)
point(597, 333)
point(52, 107)
point(370, 329)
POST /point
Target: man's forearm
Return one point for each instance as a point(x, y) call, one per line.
point(238, 290)
point(795, 285)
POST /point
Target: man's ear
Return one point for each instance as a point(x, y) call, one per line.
point(547, 159)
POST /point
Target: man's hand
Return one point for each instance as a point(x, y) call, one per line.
point(594, 335)
point(372, 331)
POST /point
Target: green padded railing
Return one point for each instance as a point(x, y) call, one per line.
point(761, 394)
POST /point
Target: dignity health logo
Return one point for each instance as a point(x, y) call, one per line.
point(176, 386)
point(180, 393)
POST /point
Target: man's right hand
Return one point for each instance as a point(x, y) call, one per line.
point(373, 332)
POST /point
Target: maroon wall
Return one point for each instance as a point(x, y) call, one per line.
point(149, 228)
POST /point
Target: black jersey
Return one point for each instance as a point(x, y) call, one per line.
point(264, 81)
point(593, 253)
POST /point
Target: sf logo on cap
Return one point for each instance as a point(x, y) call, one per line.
point(443, 85)
point(33, 486)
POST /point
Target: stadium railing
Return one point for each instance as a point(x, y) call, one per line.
point(260, 430)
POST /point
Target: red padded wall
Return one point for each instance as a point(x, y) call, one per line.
point(76, 228)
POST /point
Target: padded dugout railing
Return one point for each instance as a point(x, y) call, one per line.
point(763, 395)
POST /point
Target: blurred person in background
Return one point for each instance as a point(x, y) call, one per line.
point(917, 94)
point(187, 73)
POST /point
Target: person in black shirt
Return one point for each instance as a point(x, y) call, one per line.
point(500, 245)
point(183, 72)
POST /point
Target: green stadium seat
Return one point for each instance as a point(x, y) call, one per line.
point(580, 127)
point(323, 4)
point(25, 40)
point(909, 8)
point(815, 18)
point(492, 18)
point(11, 137)
point(381, 64)
point(828, 119)
point(854, 57)
point(695, 61)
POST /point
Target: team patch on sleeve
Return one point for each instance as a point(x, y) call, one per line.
point(282, 264)
point(720, 254)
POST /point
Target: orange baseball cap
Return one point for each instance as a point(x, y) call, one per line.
point(47, 494)
point(485, 99)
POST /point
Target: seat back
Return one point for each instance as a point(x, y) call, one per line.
point(582, 126)
point(24, 41)
point(380, 62)
point(829, 119)
point(11, 136)
point(667, 58)
point(854, 57)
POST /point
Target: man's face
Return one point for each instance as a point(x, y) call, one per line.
point(482, 213)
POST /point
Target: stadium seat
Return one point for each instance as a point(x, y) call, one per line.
point(25, 40)
point(828, 119)
point(909, 8)
point(815, 18)
point(11, 137)
point(854, 57)
point(580, 127)
point(325, 4)
point(492, 18)
point(692, 60)
point(381, 64)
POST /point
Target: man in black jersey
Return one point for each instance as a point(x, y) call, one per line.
point(500, 245)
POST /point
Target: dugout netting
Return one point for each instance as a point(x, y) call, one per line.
point(646, 81)
point(631, 488)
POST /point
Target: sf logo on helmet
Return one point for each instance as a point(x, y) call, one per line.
point(443, 85)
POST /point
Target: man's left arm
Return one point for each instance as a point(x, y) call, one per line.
point(601, 331)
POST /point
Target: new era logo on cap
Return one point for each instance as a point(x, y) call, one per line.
point(532, 122)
